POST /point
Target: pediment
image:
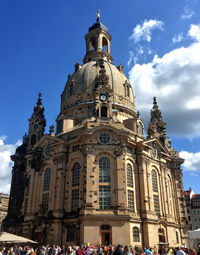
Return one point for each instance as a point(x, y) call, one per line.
point(46, 139)
point(154, 143)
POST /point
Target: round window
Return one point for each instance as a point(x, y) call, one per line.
point(104, 138)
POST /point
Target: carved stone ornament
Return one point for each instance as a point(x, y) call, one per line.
point(102, 78)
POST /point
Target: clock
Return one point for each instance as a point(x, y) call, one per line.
point(103, 97)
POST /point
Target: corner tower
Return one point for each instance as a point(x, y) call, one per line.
point(37, 122)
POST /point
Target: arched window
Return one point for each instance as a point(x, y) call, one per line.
point(104, 111)
point(76, 174)
point(154, 181)
point(155, 192)
point(104, 169)
point(177, 238)
point(140, 128)
point(47, 177)
point(104, 44)
point(92, 44)
point(129, 171)
point(127, 91)
point(136, 235)
point(33, 139)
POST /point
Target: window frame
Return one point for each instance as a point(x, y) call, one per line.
point(76, 174)
point(47, 179)
point(104, 169)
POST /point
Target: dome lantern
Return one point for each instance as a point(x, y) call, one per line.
point(97, 42)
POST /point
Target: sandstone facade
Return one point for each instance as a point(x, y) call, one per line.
point(98, 179)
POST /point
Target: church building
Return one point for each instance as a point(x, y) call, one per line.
point(98, 179)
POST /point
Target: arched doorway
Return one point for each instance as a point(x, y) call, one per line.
point(106, 234)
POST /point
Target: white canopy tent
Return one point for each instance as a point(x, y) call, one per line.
point(10, 238)
point(194, 238)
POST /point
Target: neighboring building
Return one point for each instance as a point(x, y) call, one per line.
point(3, 207)
point(98, 180)
point(193, 208)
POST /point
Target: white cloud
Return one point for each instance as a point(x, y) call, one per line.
point(130, 58)
point(144, 32)
point(6, 150)
point(177, 38)
point(194, 32)
point(174, 79)
point(188, 13)
point(192, 161)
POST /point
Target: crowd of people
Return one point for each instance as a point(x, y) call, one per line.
point(95, 250)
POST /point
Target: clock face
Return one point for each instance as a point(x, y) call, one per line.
point(103, 97)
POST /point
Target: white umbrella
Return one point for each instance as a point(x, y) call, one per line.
point(10, 238)
point(194, 234)
point(194, 238)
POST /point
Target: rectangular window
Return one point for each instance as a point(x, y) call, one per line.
point(76, 148)
point(156, 204)
point(75, 200)
point(25, 205)
point(45, 201)
point(104, 197)
point(131, 207)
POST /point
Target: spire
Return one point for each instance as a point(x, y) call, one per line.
point(155, 112)
point(38, 109)
point(37, 122)
point(157, 127)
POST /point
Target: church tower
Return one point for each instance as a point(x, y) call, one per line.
point(37, 122)
point(98, 179)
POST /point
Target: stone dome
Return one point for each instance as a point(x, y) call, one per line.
point(97, 89)
point(82, 83)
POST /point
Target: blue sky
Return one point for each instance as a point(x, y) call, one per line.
point(158, 42)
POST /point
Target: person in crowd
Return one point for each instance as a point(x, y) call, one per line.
point(147, 251)
point(181, 251)
point(118, 250)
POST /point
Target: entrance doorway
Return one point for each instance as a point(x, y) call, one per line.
point(38, 237)
point(105, 234)
point(161, 235)
point(105, 237)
